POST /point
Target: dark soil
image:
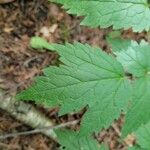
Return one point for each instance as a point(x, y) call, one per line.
point(19, 21)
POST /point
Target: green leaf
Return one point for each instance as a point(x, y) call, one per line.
point(139, 111)
point(136, 59)
point(143, 136)
point(87, 77)
point(119, 13)
point(70, 140)
point(119, 45)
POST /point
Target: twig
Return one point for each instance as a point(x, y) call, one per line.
point(26, 113)
point(38, 130)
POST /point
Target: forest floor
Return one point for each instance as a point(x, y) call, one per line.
point(19, 21)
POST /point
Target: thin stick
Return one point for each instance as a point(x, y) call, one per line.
point(38, 130)
point(26, 113)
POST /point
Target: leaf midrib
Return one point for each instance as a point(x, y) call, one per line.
point(82, 82)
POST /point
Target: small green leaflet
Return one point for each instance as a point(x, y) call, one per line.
point(136, 60)
point(87, 77)
point(104, 13)
point(143, 136)
point(70, 140)
point(129, 54)
point(118, 44)
point(39, 43)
